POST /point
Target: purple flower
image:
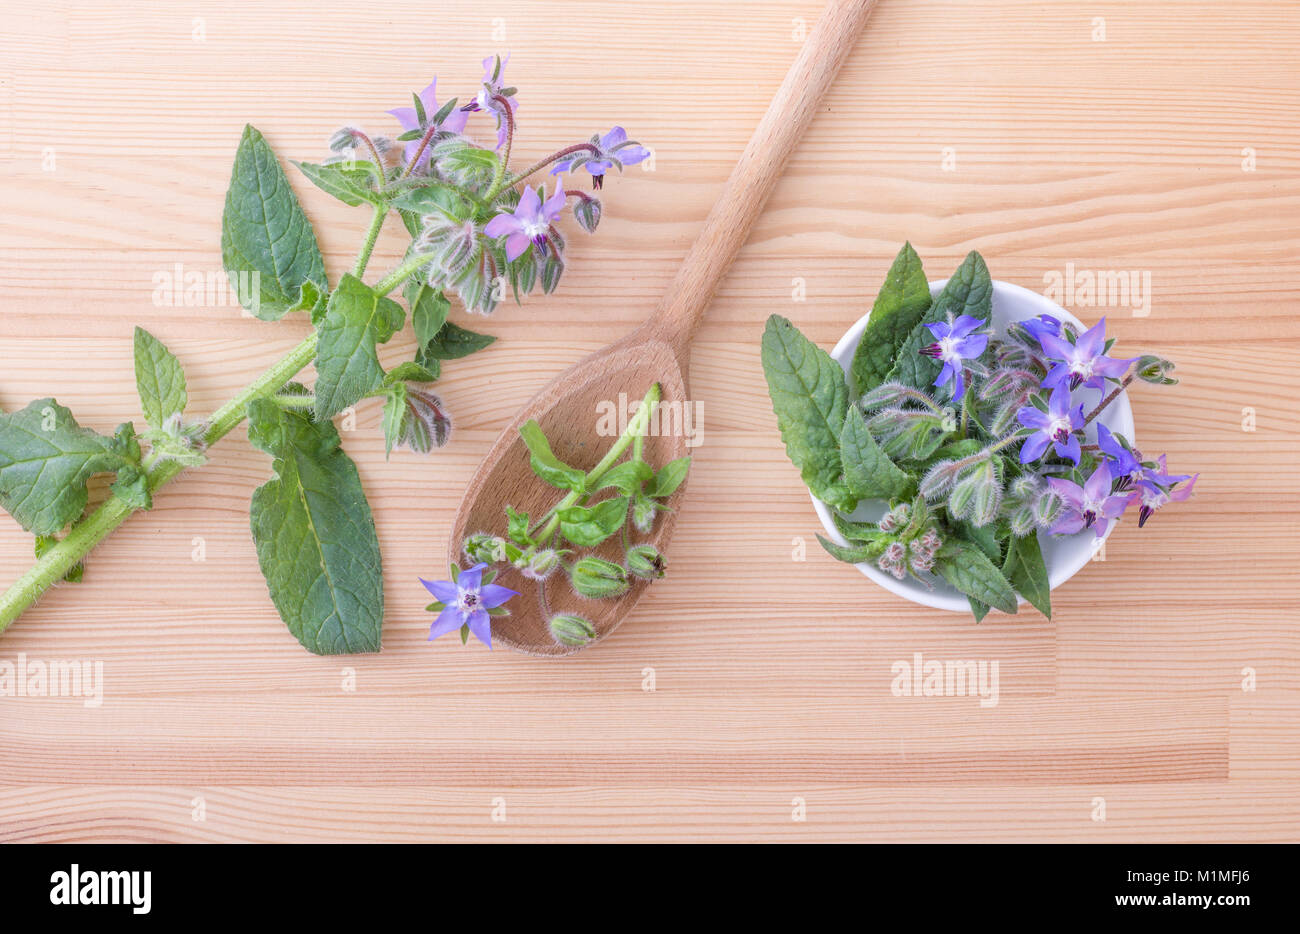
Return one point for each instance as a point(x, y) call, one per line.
point(1082, 363)
point(1151, 495)
point(454, 122)
point(530, 222)
point(1126, 465)
point(1043, 324)
point(466, 602)
point(1056, 427)
point(955, 344)
point(1090, 506)
point(493, 88)
point(614, 149)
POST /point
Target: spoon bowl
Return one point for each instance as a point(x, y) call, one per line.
point(569, 410)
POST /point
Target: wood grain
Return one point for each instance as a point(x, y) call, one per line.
point(771, 662)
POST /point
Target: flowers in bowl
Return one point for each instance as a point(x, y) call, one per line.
point(974, 440)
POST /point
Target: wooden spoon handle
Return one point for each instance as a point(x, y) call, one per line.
point(727, 227)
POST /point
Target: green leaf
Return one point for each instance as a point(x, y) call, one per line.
point(158, 379)
point(475, 166)
point(899, 307)
point(132, 487)
point(264, 233)
point(426, 199)
point(983, 537)
point(1025, 569)
point(855, 554)
point(977, 609)
point(544, 462)
point(588, 527)
point(394, 417)
point(628, 477)
point(517, 527)
point(669, 477)
point(868, 471)
point(809, 397)
point(45, 460)
point(429, 307)
point(347, 365)
point(968, 292)
point(967, 568)
point(315, 536)
point(453, 342)
point(351, 186)
point(409, 372)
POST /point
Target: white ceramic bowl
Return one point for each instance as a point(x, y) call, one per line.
point(1064, 555)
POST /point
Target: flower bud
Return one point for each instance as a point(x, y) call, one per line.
point(483, 548)
point(1023, 521)
point(587, 213)
point(643, 514)
point(344, 138)
point(1153, 369)
point(1046, 507)
point(541, 565)
point(568, 629)
point(645, 561)
point(598, 578)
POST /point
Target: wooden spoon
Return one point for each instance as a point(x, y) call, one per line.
point(569, 407)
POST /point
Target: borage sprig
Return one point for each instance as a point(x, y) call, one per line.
point(976, 443)
point(616, 495)
point(478, 231)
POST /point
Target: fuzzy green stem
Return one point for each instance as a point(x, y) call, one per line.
point(54, 565)
point(372, 235)
point(636, 428)
point(402, 273)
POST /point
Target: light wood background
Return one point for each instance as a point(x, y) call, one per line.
point(118, 122)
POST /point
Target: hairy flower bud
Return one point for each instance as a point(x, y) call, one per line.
point(643, 514)
point(571, 630)
point(541, 565)
point(1023, 521)
point(483, 548)
point(646, 562)
point(597, 578)
point(1153, 369)
point(587, 213)
point(1046, 508)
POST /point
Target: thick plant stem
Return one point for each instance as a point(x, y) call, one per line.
point(54, 565)
point(635, 429)
point(372, 235)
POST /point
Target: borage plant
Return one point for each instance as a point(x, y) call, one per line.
point(976, 442)
point(477, 229)
point(597, 505)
